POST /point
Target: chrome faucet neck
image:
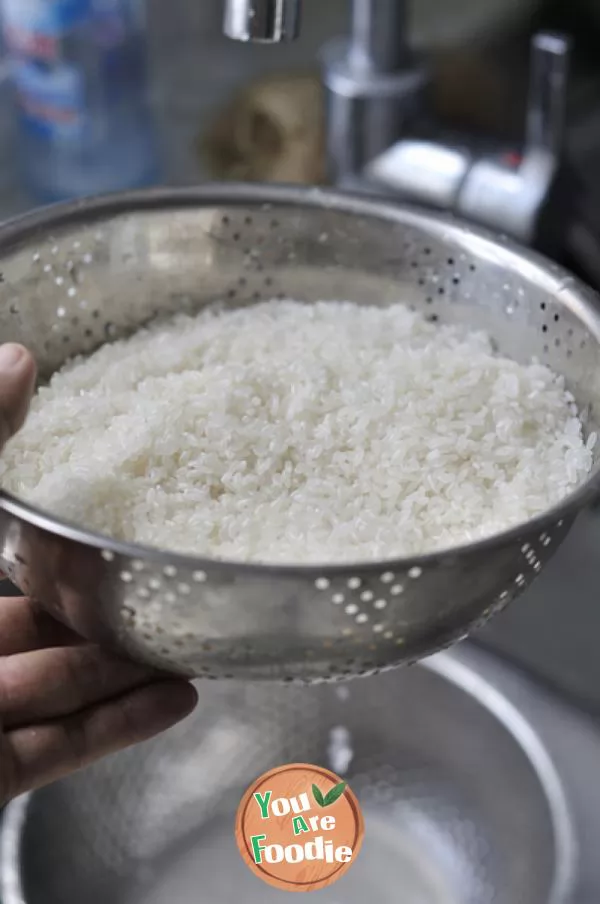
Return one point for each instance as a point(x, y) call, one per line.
point(262, 21)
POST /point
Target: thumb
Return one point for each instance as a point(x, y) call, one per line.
point(17, 381)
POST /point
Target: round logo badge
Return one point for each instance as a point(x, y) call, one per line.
point(299, 827)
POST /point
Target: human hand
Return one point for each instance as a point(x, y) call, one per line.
point(64, 702)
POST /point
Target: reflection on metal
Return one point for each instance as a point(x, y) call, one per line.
point(266, 21)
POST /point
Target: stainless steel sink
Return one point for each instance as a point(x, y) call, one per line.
point(154, 824)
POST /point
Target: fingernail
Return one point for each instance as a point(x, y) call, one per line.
point(11, 355)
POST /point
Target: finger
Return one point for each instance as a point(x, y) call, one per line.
point(25, 626)
point(48, 684)
point(17, 381)
point(41, 754)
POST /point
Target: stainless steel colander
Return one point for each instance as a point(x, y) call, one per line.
point(77, 275)
point(462, 804)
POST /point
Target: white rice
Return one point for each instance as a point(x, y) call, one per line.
point(297, 433)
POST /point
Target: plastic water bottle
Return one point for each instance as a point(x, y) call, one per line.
point(79, 71)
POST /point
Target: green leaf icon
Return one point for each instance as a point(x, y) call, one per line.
point(318, 796)
point(335, 794)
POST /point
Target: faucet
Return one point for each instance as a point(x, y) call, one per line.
point(376, 98)
point(264, 21)
point(373, 82)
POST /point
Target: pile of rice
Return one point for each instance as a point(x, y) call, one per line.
point(296, 433)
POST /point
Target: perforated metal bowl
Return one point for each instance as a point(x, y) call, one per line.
point(462, 804)
point(78, 275)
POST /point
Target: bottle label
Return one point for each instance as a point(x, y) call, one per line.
point(51, 101)
point(51, 89)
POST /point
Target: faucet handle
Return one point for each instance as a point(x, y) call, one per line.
point(546, 111)
point(266, 21)
point(524, 194)
point(522, 199)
